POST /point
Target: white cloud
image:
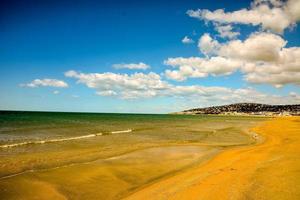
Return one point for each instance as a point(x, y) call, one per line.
point(175, 75)
point(122, 85)
point(56, 92)
point(258, 47)
point(200, 67)
point(45, 83)
point(266, 60)
point(106, 93)
point(284, 71)
point(262, 58)
point(226, 31)
point(208, 45)
point(140, 65)
point(278, 80)
point(140, 85)
point(269, 14)
point(187, 40)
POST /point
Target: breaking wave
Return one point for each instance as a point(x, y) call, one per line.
point(61, 139)
point(124, 131)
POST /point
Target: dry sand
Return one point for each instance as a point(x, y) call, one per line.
point(268, 170)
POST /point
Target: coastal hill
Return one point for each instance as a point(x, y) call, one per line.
point(247, 109)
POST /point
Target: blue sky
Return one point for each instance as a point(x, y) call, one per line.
point(45, 39)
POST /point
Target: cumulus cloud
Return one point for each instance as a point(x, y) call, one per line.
point(176, 75)
point(197, 67)
point(286, 70)
point(140, 65)
point(258, 47)
point(122, 85)
point(274, 15)
point(45, 83)
point(263, 59)
point(140, 85)
point(187, 40)
point(226, 31)
point(278, 80)
point(207, 45)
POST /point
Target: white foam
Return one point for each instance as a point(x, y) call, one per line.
point(123, 131)
point(50, 141)
point(61, 139)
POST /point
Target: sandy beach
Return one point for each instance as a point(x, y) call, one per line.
point(202, 157)
point(267, 170)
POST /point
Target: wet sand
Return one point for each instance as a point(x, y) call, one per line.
point(107, 178)
point(268, 170)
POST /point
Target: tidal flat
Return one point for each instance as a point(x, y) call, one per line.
point(48, 155)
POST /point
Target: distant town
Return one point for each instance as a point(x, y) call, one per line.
point(247, 109)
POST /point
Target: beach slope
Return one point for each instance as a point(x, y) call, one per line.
point(268, 170)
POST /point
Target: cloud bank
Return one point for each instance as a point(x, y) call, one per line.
point(141, 85)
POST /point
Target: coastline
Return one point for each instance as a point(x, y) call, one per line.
point(246, 172)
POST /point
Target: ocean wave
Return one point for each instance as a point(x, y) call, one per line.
point(123, 131)
point(61, 139)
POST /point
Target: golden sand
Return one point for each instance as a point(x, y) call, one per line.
point(267, 170)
